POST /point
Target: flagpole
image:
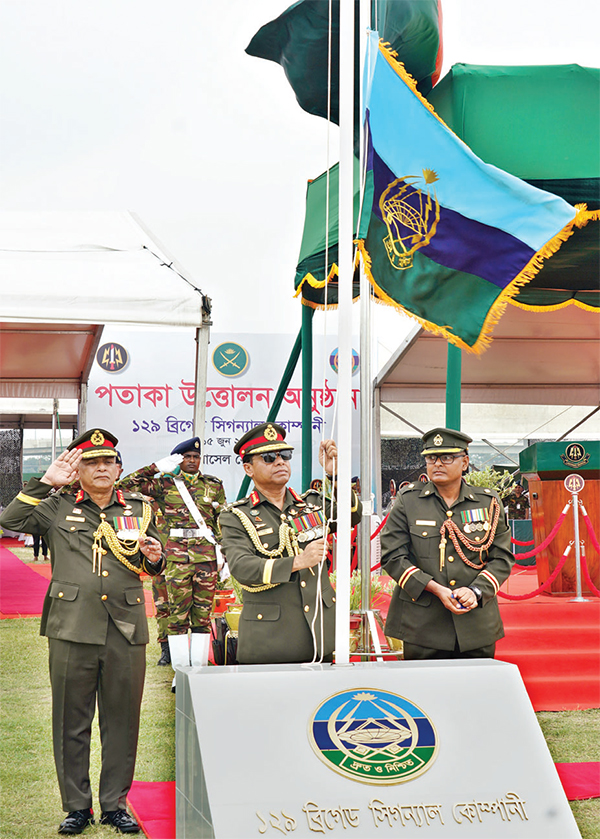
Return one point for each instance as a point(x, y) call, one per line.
point(366, 380)
point(345, 266)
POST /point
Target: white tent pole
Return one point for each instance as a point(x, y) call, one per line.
point(201, 378)
point(54, 415)
point(345, 264)
point(83, 400)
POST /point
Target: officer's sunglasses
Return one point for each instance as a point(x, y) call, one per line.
point(271, 457)
point(443, 458)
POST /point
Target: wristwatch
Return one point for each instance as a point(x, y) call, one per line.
point(477, 592)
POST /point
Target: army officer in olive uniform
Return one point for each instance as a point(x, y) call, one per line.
point(447, 545)
point(94, 616)
point(274, 543)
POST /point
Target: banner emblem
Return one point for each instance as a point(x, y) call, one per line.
point(230, 359)
point(373, 736)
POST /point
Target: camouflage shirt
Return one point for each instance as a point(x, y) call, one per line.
point(208, 495)
point(517, 505)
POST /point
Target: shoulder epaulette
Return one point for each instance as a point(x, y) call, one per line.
point(130, 494)
point(485, 491)
point(212, 478)
point(410, 487)
point(228, 507)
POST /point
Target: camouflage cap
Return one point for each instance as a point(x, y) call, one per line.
point(445, 441)
point(96, 442)
point(266, 437)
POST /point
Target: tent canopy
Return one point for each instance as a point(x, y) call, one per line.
point(63, 276)
point(536, 358)
point(542, 124)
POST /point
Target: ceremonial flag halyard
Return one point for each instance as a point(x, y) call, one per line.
point(450, 238)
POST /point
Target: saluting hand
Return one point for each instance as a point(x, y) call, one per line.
point(64, 469)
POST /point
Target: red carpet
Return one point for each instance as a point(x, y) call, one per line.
point(580, 780)
point(21, 584)
point(153, 804)
point(21, 589)
point(555, 643)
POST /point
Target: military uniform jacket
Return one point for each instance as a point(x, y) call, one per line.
point(79, 601)
point(278, 612)
point(206, 491)
point(410, 553)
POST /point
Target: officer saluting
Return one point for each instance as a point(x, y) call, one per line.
point(447, 545)
point(274, 542)
point(94, 616)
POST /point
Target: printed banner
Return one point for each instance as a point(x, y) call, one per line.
point(141, 388)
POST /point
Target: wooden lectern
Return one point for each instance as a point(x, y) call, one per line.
point(545, 466)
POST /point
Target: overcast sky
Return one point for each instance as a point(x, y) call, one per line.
point(155, 108)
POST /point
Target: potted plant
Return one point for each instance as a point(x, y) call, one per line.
point(379, 585)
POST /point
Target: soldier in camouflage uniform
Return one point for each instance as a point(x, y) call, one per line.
point(518, 503)
point(191, 545)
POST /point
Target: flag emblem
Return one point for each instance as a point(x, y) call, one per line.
point(373, 736)
point(411, 216)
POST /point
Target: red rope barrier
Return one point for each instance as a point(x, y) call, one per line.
point(543, 545)
point(544, 586)
point(379, 528)
point(521, 544)
point(590, 527)
point(586, 572)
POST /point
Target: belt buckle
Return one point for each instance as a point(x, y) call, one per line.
point(188, 533)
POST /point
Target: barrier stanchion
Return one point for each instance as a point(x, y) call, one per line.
point(574, 483)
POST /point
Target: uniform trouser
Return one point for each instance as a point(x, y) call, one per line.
point(161, 604)
point(413, 652)
point(114, 673)
point(191, 589)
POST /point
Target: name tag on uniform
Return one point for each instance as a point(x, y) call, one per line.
point(127, 527)
point(74, 518)
point(265, 532)
point(425, 522)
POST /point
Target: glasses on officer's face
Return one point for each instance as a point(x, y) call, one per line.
point(443, 458)
point(271, 457)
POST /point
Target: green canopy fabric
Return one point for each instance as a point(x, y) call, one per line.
point(319, 249)
point(542, 124)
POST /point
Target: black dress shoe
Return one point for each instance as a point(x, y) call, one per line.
point(121, 820)
point(76, 821)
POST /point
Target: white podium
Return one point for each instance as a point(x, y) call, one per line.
point(440, 749)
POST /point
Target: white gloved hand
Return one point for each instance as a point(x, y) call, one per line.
point(169, 465)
